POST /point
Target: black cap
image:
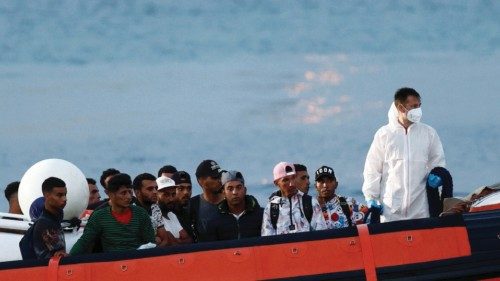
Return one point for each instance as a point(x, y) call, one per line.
point(208, 168)
point(181, 177)
point(324, 171)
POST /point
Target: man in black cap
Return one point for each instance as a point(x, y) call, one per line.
point(183, 190)
point(338, 211)
point(203, 207)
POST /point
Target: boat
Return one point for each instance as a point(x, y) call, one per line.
point(459, 247)
point(462, 247)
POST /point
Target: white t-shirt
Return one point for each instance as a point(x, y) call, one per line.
point(172, 224)
point(238, 216)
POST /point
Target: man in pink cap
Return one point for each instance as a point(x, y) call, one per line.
point(290, 211)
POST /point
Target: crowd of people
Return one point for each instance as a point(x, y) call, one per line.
point(150, 211)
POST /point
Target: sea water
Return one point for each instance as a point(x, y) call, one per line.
point(136, 85)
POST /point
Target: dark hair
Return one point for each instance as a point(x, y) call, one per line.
point(167, 169)
point(91, 181)
point(11, 188)
point(300, 167)
point(52, 182)
point(138, 180)
point(107, 173)
point(402, 94)
point(118, 181)
point(181, 177)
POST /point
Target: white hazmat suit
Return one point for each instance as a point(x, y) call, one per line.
point(397, 166)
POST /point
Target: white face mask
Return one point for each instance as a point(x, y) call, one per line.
point(414, 115)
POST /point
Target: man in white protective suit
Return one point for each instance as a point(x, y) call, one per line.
point(397, 166)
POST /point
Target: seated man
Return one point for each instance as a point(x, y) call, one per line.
point(166, 200)
point(120, 226)
point(240, 215)
point(104, 179)
point(167, 171)
point(338, 211)
point(94, 198)
point(290, 211)
point(301, 178)
point(94, 195)
point(48, 236)
point(182, 196)
point(203, 207)
point(146, 192)
point(11, 194)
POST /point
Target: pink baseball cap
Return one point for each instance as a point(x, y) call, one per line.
point(283, 169)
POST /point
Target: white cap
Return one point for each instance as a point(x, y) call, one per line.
point(164, 182)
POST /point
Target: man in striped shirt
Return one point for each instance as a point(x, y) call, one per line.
point(120, 226)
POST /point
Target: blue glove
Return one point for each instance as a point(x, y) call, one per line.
point(372, 203)
point(434, 181)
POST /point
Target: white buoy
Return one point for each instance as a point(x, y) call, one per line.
point(76, 183)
